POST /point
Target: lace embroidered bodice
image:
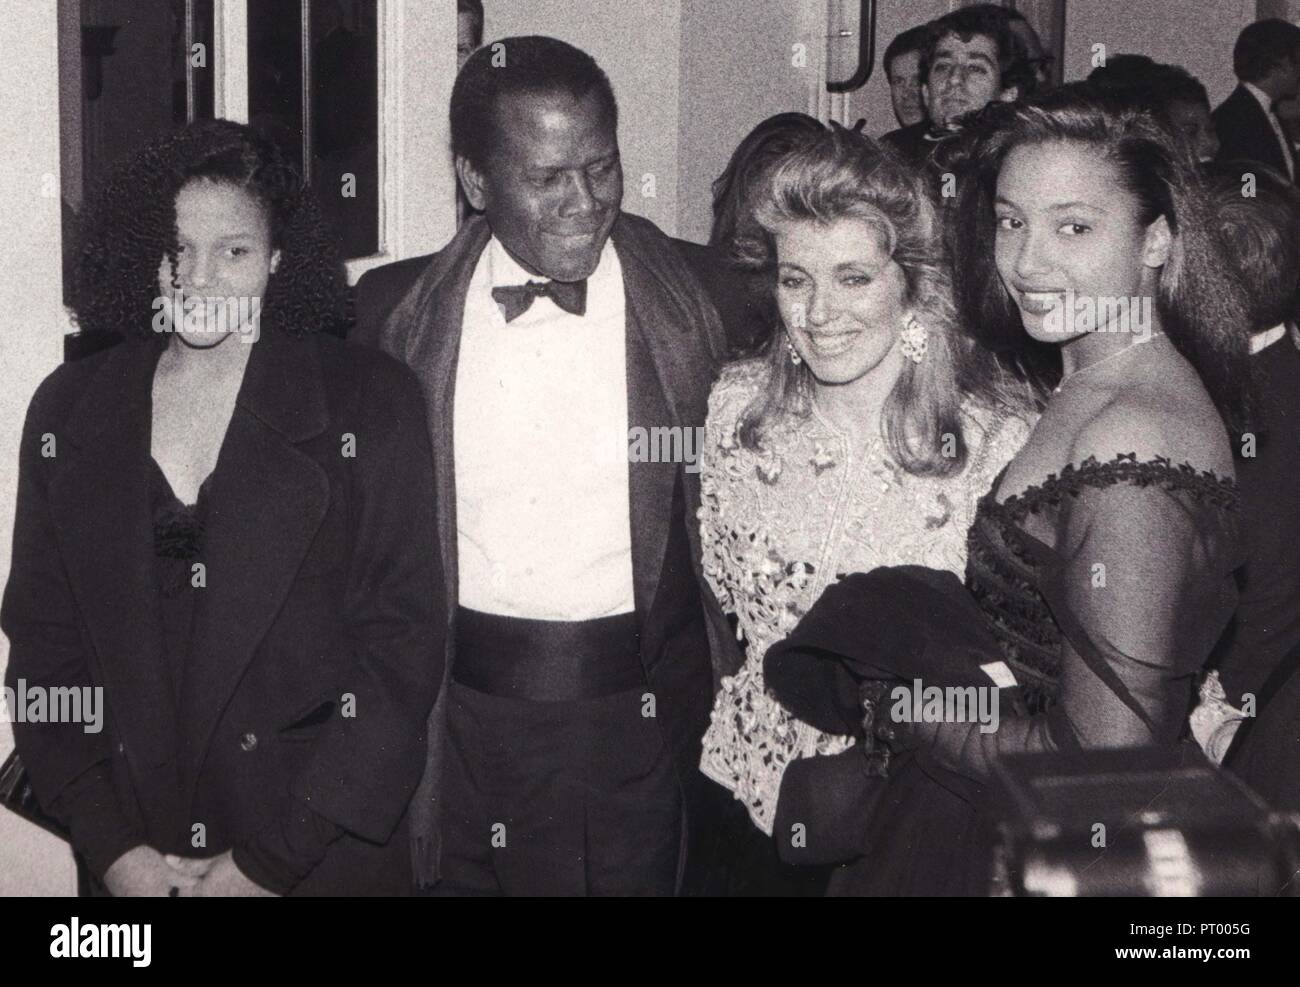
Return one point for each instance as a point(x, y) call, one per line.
point(778, 526)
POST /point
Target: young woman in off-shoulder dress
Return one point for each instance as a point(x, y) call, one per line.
point(1103, 554)
point(864, 437)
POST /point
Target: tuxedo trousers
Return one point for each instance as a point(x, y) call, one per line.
point(571, 797)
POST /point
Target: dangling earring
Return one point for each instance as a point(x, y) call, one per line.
point(913, 340)
point(795, 358)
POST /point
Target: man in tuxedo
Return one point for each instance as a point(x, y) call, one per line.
point(1266, 60)
point(548, 333)
point(1258, 660)
point(970, 58)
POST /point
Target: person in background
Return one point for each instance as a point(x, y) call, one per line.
point(469, 29)
point(1260, 653)
point(258, 602)
point(1040, 62)
point(742, 295)
point(550, 331)
point(826, 455)
point(1174, 96)
point(1266, 61)
point(902, 63)
point(970, 58)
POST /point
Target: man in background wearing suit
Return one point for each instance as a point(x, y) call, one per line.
point(1266, 60)
point(545, 334)
point(969, 58)
point(1258, 660)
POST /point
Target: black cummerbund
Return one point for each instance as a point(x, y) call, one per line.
point(547, 660)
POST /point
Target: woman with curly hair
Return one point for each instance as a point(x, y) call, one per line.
point(225, 538)
point(863, 438)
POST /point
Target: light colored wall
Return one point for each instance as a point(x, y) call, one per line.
point(1196, 34)
point(737, 68)
point(636, 42)
point(31, 863)
point(871, 102)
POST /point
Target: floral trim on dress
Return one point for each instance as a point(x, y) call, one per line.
point(779, 524)
point(1002, 572)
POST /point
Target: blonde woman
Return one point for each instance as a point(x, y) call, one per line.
point(863, 438)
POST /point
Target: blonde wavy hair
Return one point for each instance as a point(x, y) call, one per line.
point(843, 174)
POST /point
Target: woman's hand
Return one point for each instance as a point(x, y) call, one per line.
point(218, 877)
point(143, 872)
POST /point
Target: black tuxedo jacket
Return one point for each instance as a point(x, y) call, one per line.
point(1245, 132)
point(321, 578)
point(743, 301)
point(1260, 654)
point(674, 348)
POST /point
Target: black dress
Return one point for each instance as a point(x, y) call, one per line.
point(279, 856)
point(177, 547)
point(1106, 587)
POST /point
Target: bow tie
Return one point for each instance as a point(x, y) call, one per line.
point(516, 299)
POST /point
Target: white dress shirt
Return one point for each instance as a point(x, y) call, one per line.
point(542, 504)
point(1261, 341)
point(1266, 101)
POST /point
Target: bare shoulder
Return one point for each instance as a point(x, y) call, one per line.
point(1155, 422)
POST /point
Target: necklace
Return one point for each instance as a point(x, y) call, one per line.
point(1118, 353)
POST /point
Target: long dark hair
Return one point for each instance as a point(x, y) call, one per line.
point(131, 226)
point(734, 189)
point(1202, 306)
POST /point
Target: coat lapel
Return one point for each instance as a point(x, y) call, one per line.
point(101, 509)
point(669, 370)
point(265, 504)
point(424, 332)
point(428, 321)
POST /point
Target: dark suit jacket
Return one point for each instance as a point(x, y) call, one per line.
point(744, 299)
point(674, 347)
point(321, 576)
point(910, 143)
point(1260, 654)
point(1266, 626)
point(747, 312)
point(1245, 133)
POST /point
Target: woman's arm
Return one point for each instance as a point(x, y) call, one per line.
point(1141, 592)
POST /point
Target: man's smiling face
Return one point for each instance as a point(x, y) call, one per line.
point(553, 184)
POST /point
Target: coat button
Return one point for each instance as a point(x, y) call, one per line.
point(248, 741)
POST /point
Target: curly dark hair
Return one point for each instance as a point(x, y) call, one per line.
point(131, 226)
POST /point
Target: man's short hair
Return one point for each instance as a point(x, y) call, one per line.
point(475, 10)
point(990, 22)
point(911, 40)
point(530, 64)
point(1261, 46)
point(1150, 84)
point(1262, 234)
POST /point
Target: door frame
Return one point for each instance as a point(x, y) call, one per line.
point(417, 68)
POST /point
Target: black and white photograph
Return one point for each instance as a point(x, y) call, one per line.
point(651, 448)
